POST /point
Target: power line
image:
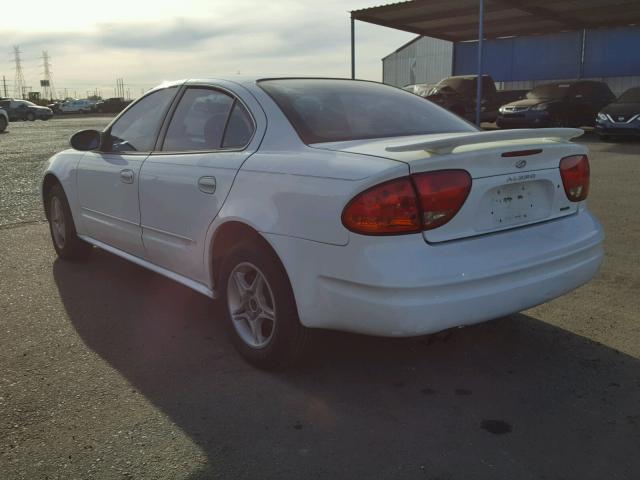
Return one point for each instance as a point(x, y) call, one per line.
point(48, 90)
point(19, 83)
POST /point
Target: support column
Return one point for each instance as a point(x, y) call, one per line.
point(353, 49)
point(479, 78)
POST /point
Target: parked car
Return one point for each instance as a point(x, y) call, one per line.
point(354, 210)
point(558, 104)
point(110, 105)
point(621, 117)
point(420, 89)
point(77, 106)
point(4, 119)
point(458, 95)
point(25, 110)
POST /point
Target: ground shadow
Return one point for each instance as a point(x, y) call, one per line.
point(516, 398)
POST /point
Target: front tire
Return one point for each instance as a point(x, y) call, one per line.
point(66, 242)
point(261, 313)
point(31, 116)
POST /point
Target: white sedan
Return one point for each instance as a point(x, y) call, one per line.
point(307, 203)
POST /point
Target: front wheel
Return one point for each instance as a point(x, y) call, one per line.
point(262, 318)
point(63, 231)
point(31, 116)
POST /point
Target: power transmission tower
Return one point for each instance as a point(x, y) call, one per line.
point(18, 84)
point(48, 90)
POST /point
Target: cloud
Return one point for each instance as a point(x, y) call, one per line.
point(216, 38)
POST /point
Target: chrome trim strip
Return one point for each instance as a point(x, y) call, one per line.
point(631, 119)
point(164, 232)
point(113, 217)
point(187, 282)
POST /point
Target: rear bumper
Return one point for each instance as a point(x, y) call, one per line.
point(402, 286)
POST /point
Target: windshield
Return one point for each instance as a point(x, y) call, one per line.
point(630, 96)
point(325, 110)
point(550, 91)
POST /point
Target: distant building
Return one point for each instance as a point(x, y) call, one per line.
point(610, 55)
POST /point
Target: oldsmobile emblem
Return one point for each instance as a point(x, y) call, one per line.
point(521, 164)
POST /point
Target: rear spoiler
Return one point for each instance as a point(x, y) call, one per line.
point(447, 145)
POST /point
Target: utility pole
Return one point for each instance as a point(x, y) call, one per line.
point(48, 90)
point(4, 83)
point(18, 83)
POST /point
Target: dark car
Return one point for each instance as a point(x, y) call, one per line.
point(621, 117)
point(24, 110)
point(560, 104)
point(110, 105)
point(458, 95)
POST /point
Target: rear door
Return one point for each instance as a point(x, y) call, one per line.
point(210, 134)
point(108, 180)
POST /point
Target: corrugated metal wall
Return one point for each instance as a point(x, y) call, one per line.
point(523, 58)
point(425, 60)
point(607, 53)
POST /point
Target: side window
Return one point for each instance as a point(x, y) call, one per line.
point(136, 130)
point(199, 121)
point(239, 128)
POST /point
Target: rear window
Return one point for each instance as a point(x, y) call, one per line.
point(630, 96)
point(325, 110)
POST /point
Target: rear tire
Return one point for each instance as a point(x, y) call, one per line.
point(3, 124)
point(65, 240)
point(261, 313)
point(31, 116)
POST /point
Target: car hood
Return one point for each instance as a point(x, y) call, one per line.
point(530, 102)
point(624, 109)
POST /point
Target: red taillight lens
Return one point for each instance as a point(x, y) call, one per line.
point(408, 205)
point(575, 177)
point(385, 209)
point(442, 194)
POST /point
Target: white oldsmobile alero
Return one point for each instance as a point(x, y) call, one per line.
point(308, 203)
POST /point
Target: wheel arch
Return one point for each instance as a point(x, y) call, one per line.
point(48, 182)
point(229, 235)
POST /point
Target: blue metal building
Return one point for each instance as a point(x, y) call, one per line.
point(611, 55)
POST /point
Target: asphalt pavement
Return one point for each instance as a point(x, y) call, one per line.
point(109, 371)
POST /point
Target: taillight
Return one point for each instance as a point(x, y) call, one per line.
point(575, 177)
point(408, 205)
point(388, 208)
point(441, 195)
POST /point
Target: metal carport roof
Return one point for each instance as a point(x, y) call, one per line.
point(462, 20)
point(458, 20)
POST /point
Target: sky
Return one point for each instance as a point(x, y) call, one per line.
point(146, 42)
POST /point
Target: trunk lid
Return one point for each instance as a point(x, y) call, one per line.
point(516, 175)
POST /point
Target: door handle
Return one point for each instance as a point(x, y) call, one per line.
point(207, 184)
point(126, 176)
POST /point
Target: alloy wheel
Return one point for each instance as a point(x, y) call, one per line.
point(251, 305)
point(57, 222)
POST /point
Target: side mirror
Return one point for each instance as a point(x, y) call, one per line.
point(86, 140)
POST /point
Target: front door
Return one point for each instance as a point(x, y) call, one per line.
point(108, 180)
point(184, 185)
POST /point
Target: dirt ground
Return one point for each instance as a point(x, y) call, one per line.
point(109, 371)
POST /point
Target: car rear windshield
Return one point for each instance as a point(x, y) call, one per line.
point(550, 91)
point(630, 96)
point(325, 110)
